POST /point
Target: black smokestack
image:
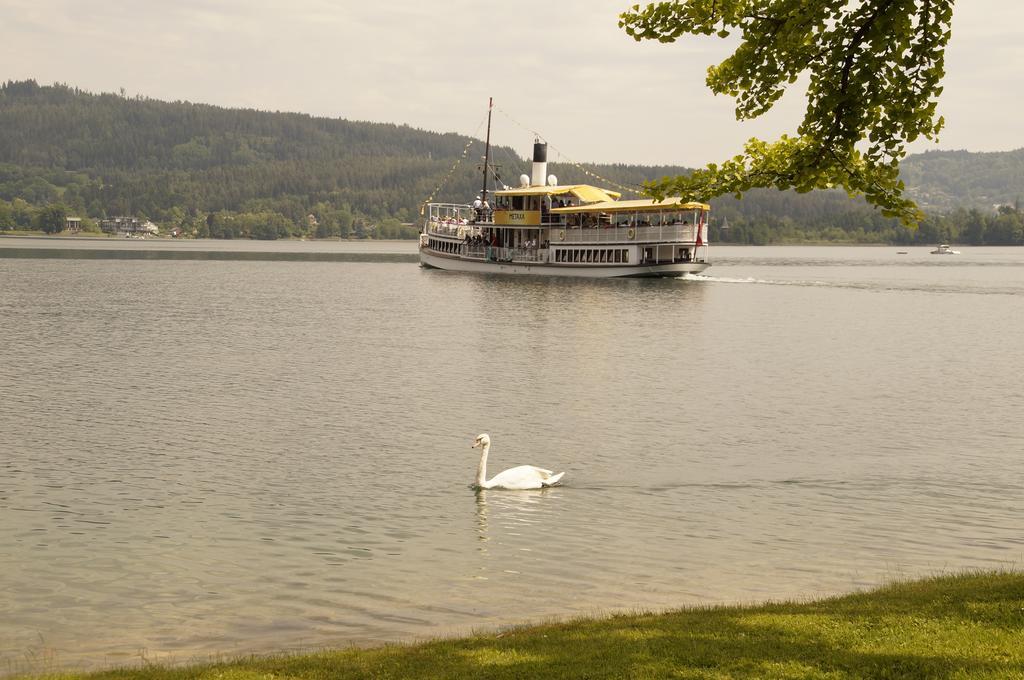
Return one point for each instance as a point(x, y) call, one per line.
point(538, 176)
point(540, 152)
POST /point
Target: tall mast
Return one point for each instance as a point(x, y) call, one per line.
point(487, 148)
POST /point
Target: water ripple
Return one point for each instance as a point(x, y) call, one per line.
point(214, 457)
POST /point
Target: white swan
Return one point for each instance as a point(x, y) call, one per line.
point(522, 477)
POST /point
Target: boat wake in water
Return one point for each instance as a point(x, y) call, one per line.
point(962, 287)
point(750, 279)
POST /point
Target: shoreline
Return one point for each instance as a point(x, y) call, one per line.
point(964, 625)
point(168, 239)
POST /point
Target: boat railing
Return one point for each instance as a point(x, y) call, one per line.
point(445, 213)
point(449, 212)
point(452, 228)
point(643, 234)
point(495, 254)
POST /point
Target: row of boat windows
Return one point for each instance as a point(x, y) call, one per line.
point(529, 202)
point(445, 246)
point(599, 255)
point(567, 255)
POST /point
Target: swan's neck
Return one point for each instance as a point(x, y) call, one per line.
point(481, 471)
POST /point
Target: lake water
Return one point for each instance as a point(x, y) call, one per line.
point(238, 447)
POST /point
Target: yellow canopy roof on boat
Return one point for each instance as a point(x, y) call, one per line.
point(639, 205)
point(584, 192)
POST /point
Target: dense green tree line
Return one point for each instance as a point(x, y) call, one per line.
point(852, 224)
point(230, 173)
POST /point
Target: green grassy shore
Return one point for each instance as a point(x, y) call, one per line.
point(962, 626)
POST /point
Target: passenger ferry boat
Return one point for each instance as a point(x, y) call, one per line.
point(546, 228)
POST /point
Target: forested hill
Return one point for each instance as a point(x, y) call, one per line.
point(945, 180)
point(108, 155)
point(235, 172)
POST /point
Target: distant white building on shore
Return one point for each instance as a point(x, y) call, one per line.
point(128, 226)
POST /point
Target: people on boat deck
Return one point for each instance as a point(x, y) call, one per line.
point(480, 209)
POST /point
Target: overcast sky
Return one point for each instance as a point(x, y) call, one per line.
point(560, 67)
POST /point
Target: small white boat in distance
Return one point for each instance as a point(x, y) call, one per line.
point(944, 249)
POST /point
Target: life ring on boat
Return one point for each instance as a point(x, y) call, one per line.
point(631, 233)
point(561, 235)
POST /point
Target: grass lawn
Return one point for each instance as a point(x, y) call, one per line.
point(963, 626)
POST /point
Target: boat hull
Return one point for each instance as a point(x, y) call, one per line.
point(589, 271)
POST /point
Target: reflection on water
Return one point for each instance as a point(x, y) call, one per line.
point(511, 513)
point(206, 457)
